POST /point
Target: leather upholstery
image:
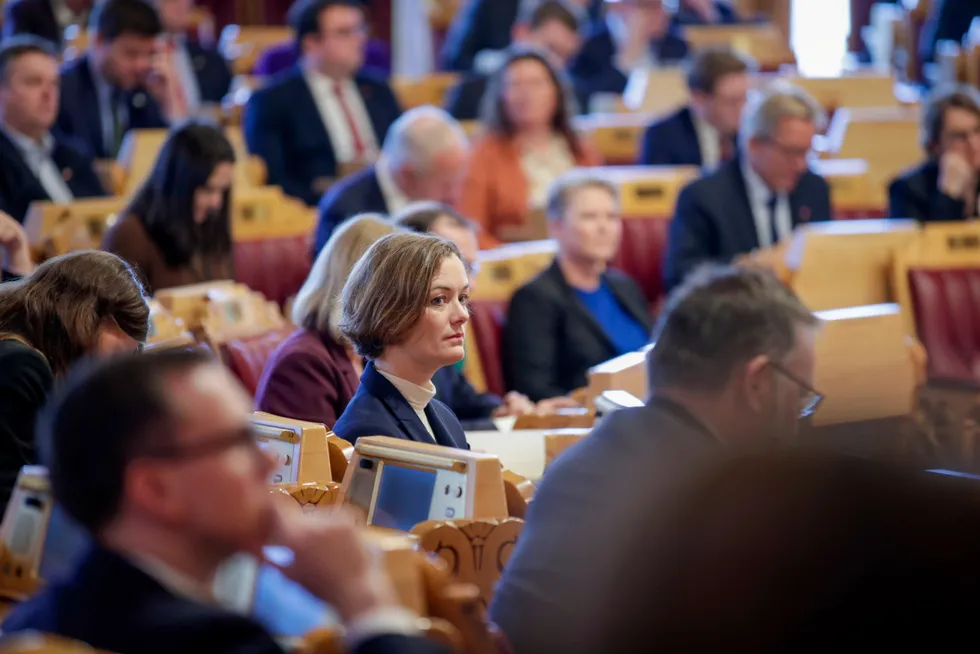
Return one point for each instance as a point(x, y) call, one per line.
point(246, 357)
point(275, 267)
point(946, 304)
point(487, 319)
point(641, 254)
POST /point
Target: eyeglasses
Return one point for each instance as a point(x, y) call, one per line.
point(790, 152)
point(210, 445)
point(810, 398)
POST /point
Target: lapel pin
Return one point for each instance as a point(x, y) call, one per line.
point(66, 174)
point(804, 214)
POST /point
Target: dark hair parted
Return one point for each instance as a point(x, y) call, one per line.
point(719, 318)
point(304, 15)
point(61, 306)
point(419, 217)
point(115, 18)
point(497, 121)
point(105, 415)
point(958, 96)
point(712, 64)
point(388, 289)
point(16, 47)
point(165, 202)
point(536, 17)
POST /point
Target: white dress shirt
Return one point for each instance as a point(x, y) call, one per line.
point(335, 120)
point(395, 199)
point(111, 101)
point(620, 35)
point(417, 396)
point(709, 140)
point(37, 156)
point(759, 197)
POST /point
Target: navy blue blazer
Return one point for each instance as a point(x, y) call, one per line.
point(453, 390)
point(726, 15)
point(480, 25)
point(19, 187)
point(357, 193)
point(672, 141)
point(114, 606)
point(80, 113)
point(211, 70)
point(949, 20)
point(595, 64)
point(915, 194)
point(713, 219)
point(283, 126)
point(379, 409)
point(32, 17)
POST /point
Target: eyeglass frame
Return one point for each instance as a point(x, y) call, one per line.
point(813, 396)
point(215, 443)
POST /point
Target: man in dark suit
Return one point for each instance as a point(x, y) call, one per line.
point(551, 27)
point(732, 366)
point(166, 507)
point(34, 163)
point(758, 199)
point(201, 74)
point(705, 12)
point(636, 34)
point(480, 25)
point(703, 133)
point(46, 19)
point(948, 20)
point(947, 185)
point(425, 157)
point(316, 120)
point(116, 86)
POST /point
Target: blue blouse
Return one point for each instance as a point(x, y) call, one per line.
point(626, 334)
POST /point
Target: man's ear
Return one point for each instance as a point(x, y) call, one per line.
point(756, 380)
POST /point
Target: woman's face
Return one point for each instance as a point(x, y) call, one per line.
point(112, 341)
point(590, 229)
point(530, 96)
point(437, 339)
point(209, 198)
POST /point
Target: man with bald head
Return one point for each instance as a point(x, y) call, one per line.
point(425, 156)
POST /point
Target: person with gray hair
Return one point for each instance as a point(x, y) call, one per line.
point(731, 368)
point(756, 200)
point(425, 156)
point(947, 185)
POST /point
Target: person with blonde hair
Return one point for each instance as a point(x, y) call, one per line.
point(313, 374)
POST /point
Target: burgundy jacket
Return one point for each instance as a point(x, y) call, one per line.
point(308, 377)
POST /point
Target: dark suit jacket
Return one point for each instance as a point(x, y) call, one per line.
point(114, 606)
point(453, 390)
point(283, 126)
point(32, 17)
point(915, 194)
point(726, 16)
point(357, 193)
point(465, 100)
point(19, 187)
point(80, 112)
point(308, 377)
point(565, 557)
point(595, 64)
point(481, 25)
point(949, 20)
point(672, 141)
point(379, 409)
point(212, 72)
point(551, 339)
point(713, 219)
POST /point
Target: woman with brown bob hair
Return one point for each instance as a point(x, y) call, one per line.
point(529, 141)
point(403, 309)
point(79, 304)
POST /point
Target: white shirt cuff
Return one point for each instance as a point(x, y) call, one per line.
point(385, 621)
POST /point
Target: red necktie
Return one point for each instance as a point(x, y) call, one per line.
point(359, 148)
point(180, 97)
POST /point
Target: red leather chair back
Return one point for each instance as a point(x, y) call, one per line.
point(946, 305)
point(275, 267)
point(487, 318)
point(246, 357)
point(641, 254)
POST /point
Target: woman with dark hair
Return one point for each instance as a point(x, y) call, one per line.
point(529, 141)
point(177, 231)
point(78, 304)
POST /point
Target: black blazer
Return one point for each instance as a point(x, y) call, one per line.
point(379, 409)
point(32, 17)
point(551, 339)
point(80, 113)
point(726, 15)
point(114, 606)
point(713, 219)
point(211, 70)
point(915, 194)
point(672, 141)
point(453, 390)
point(19, 187)
point(283, 126)
point(480, 25)
point(357, 193)
point(25, 383)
